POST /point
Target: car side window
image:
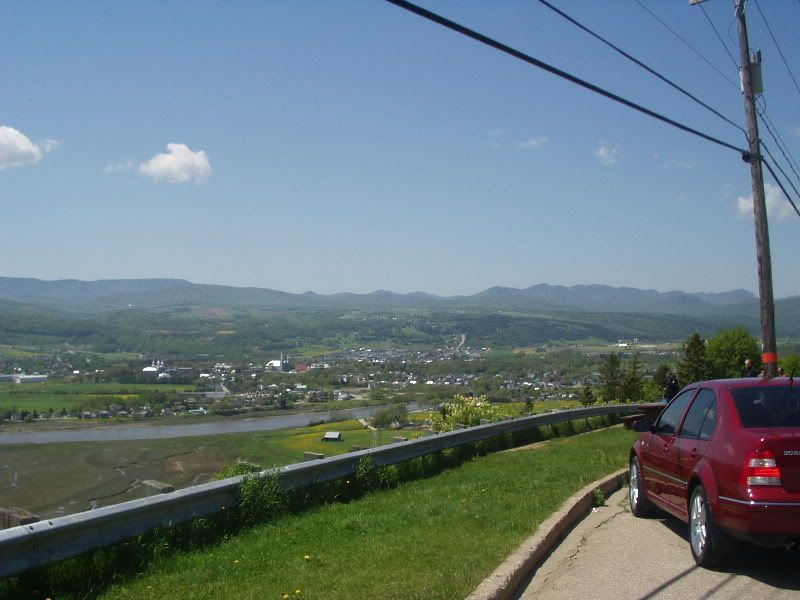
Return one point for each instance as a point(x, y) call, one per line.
point(696, 417)
point(710, 423)
point(669, 419)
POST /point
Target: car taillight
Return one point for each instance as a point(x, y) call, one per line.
point(760, 469)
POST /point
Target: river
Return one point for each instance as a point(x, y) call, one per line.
point(120, 433)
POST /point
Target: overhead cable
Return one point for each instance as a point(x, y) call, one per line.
point(452, 25)
point(786, 158)
point(774, 160)
point(783, 189)
point(776, 136)
point(687, 44)
point(783, 58)
point(719, 37)
point(641, 64)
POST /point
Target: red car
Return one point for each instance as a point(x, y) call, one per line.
point(724, 457)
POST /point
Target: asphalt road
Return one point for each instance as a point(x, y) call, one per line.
point(612, 554)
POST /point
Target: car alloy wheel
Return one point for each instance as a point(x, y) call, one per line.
point(640, 505)
point(709, 544)
point(698, 537)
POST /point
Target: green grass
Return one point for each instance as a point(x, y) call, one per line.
point(430, 538)
point(44, 396)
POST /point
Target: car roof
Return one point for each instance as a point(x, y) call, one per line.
point(744, 382)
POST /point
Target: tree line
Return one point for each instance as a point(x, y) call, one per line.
point(719, 357)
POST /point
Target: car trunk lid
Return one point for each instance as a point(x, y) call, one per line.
point(785, 447)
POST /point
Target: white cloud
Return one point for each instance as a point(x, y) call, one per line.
point(607, 155)
point(177, 165)
point(48, 144)
point(123, 166)
point(534, 142)
point(778, 206)
point(727, 191)
point(17, 150)
point(495, 137)
point(678, 164)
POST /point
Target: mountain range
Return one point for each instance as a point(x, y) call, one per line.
point(115, 294)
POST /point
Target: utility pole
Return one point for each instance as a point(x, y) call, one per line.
point(769, 348)
point(769, 356)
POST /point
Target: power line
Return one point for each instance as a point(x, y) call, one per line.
point(641, 64)
point(772, 35)
point(783, 189)
point(786, 158)
point(452, 25)
point(719, 37)
point(787, 155)
point(763, 145)
point(687, 44)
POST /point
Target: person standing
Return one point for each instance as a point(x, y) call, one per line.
point(749, 371)
point(672, 386)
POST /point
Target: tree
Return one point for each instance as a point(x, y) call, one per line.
point(694, 364)
point(728, 350)
point(660, 376)
point(631, 388)
point(791, 365)
point(610, 378)
point(588, 398)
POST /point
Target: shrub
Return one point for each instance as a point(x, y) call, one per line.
point(464, 411)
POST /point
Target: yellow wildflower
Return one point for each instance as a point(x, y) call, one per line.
point(306, 557)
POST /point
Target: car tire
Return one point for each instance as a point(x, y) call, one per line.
point(640, 506)
point(709, 544)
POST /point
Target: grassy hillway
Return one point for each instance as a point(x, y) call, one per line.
point(435, 537)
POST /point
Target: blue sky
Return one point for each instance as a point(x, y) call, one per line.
point(352, 146)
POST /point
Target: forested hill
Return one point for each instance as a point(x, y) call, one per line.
point(107, 295)
point(186, 320)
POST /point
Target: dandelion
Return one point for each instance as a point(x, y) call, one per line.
point(285, 595)
point(236, 562)
point(298, 592)
point(306, 557)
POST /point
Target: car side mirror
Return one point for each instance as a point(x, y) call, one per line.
point(642, 425)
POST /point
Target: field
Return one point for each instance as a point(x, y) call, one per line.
point(42, 397)
point(55, 479)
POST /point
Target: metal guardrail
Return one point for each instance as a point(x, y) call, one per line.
point(44, 542)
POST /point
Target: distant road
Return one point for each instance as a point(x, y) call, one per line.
point(154, 432)
point(461, 343)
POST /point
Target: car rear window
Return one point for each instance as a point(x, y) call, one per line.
point(774, 406)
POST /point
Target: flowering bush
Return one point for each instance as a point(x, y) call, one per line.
point(464, 411)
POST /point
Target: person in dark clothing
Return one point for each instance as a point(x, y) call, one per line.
point(672, 386)
point(749, 371)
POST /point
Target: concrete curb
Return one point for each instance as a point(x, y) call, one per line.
point(507, 579)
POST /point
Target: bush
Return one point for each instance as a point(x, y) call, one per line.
point(464, 411)
point(391, 414)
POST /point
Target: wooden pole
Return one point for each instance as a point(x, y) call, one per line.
point(767, 303)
